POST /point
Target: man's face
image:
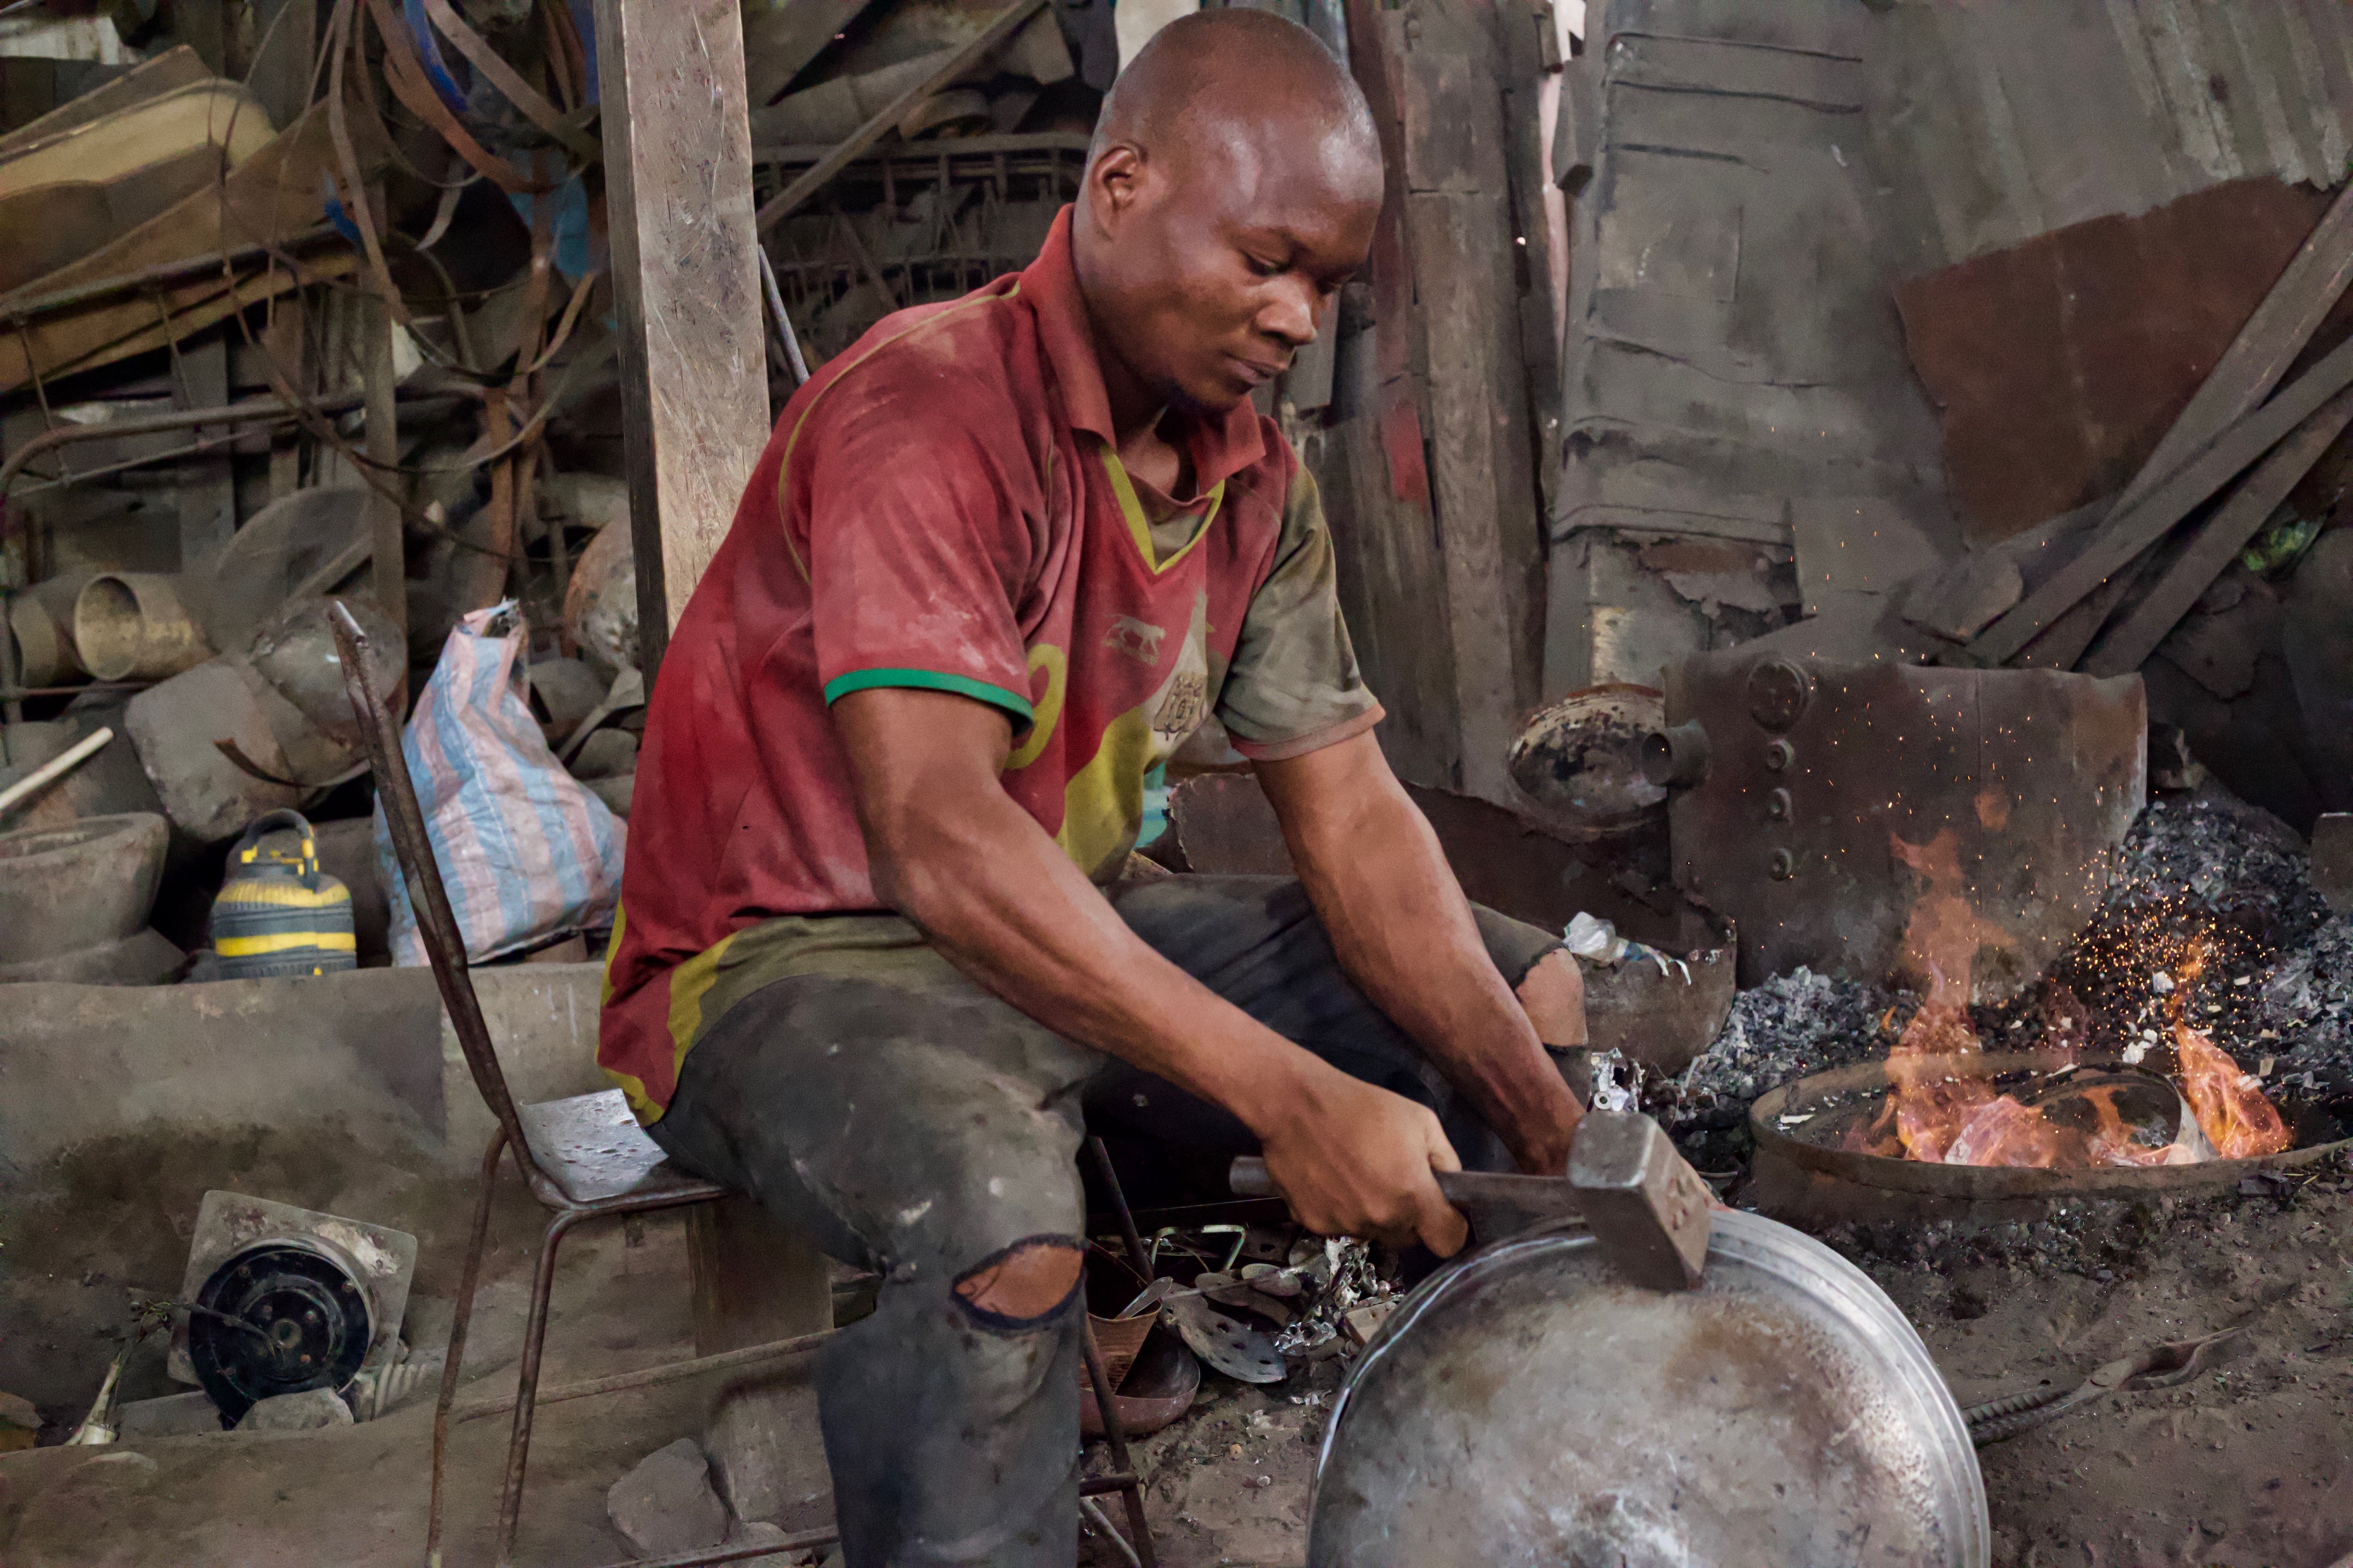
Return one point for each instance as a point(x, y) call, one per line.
point(1212, 267)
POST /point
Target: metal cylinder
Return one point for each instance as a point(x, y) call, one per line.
point(135, 626)
point(41, 620)
point(1676, 758)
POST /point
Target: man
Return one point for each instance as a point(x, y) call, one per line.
point(1000, 559)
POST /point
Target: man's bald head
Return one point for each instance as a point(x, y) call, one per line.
point(1204, 82)
point(1233, 185)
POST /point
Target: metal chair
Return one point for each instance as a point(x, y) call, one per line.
point(583, 1158)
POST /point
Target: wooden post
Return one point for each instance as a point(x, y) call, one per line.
point(677, 197)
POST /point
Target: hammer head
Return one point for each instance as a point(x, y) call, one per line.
point(1644, 1204)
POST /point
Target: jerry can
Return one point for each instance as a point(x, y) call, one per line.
point(279, 914)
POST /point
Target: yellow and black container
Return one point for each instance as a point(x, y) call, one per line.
point(279, 914)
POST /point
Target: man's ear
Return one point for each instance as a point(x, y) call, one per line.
point(1115, 183)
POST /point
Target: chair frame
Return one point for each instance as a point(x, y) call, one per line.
point(438, 928)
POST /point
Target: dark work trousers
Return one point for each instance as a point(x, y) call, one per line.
point(914, 1124)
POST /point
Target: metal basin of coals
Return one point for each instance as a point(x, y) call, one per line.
point(1525, 1407)
point(1803, 1170)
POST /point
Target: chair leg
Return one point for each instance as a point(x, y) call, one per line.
point(1099, 1381)
point(456, 1354)
point(535, 1336)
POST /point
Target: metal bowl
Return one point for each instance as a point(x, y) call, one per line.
point(1524, 1407)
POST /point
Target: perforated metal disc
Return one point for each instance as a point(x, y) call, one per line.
point(307, 1321)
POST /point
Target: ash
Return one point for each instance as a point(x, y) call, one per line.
point(2214, 854)
point(1792, 1026)
point(2308, 1003)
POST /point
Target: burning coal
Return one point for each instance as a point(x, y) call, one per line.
point(2208, 1108)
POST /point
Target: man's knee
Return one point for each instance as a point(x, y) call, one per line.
point(1552, 994)
point(1025, 1285)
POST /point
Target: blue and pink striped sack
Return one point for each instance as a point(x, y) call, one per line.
point(529, 855)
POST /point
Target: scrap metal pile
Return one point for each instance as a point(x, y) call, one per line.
point(324, 308)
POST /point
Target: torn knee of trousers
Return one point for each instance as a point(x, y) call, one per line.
point(1552, 994)
point(1025, 1286)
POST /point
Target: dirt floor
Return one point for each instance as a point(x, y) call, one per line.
point(2250, 1466)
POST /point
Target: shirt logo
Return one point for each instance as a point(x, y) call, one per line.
point(1182, 707)
point(1140, 640)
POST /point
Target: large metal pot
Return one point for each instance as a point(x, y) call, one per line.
point(1526, 1408)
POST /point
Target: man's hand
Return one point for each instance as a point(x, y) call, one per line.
point(1354, 1159)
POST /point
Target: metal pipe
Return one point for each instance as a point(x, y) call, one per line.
point(274, 410)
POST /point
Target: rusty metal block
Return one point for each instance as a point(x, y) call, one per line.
point(1841, 798)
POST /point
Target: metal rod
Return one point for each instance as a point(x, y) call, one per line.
point(1136, 1253)
point(808, 1540)
point(535, 1344)
point(791, 198)
point(55, 768)
point(776, 298)
point(427, 896)
point(1107, 1408)
point(646, 1377)
point(454, 1357)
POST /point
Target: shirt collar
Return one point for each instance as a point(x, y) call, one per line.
point(1220, 445)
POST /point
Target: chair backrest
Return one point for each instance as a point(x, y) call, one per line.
point(434, 924)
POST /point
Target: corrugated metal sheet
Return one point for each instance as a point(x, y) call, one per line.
point(1996, 120)
point(1764, 173)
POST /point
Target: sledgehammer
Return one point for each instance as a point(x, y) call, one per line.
point(1644, 1204)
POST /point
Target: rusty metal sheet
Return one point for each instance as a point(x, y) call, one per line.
point(1840, 797)
point(2060, 364)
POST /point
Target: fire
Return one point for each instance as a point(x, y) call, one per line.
point(2232, 1110)
point(2230, 1103)
point(1940, 1116)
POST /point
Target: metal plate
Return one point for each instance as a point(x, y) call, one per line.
point(1524, 1408)
point(2000, 794)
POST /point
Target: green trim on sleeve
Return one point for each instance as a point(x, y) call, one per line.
point(1012, 703)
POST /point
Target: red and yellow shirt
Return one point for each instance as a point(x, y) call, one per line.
point(942, 506)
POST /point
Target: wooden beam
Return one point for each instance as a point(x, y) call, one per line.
point(2262, 350)
point(2134, 529)
point(694, 397)
point(789, 200)
point(2226, 534)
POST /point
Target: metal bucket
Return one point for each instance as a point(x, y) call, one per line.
point(134, 626)
point(1524, 1407)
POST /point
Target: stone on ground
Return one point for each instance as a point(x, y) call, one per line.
point(666, 1505)
point(311, 1408)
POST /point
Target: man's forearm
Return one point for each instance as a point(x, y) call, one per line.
point(1404, 932)
point(949, 849)
point(1002, 903)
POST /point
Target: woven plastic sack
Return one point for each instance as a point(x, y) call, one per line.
point(528, 855)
